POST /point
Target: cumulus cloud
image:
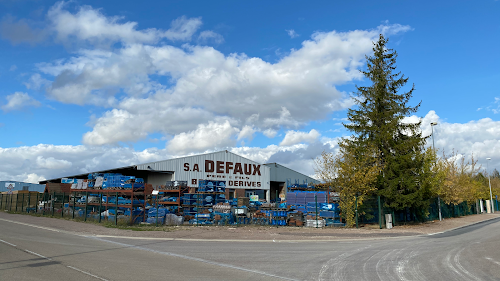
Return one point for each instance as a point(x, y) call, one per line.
point(36, 82)
point(183, 28)
point(202, 82)
point(210, 36)
point(211, 136)
point(481, 137)
point(19, 100)
point(297, 89)
point(292, 33)
point(92, 26)
point(44, 161)
point(246, 133)
point(295, 137)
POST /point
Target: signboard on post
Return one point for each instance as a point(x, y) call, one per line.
point(10, 186)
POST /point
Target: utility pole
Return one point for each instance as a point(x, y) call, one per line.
point(492, 208)
point(434, 149)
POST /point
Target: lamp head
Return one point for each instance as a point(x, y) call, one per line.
point(434, 123)
point(488, 158)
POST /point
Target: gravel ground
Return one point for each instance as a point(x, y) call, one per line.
point(250, 232)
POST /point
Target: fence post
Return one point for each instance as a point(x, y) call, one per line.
point(116, 209)
point(379, 213)
point(11, 195)
point(53, 202)
point(86, 203)
point(156, 211)
point(100, 206)
point(36, 203)
point(316, 201)
point(74, 203)
point(22, 204)
point(29, 202)
point(1, 199)
point(62, 205)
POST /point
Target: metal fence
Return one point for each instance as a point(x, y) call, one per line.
point(373, 211)
point(69, 205)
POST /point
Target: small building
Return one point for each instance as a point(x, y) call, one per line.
point(10, 186)
point(243, 177)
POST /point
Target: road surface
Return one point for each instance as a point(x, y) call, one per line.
point(35, 253)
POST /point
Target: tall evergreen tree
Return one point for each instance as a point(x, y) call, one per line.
point(378, 120)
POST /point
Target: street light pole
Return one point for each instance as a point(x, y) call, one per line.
point(434, 149)
point(492, 208)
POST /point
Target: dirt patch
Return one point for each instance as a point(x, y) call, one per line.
point(249, 232)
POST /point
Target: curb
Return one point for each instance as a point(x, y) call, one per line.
point(463, 226)
point(346, 240)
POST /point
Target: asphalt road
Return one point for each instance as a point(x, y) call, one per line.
point(469, 253)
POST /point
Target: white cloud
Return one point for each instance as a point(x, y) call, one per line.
point(19, 100)
point(92, 26)
point(13, 67)
point(43, 161)
point(52, 163)
point(33, 178)
point(246, 133)
point(292, 33)
point(270, 133)
point(202, 81)
point(182, 28)
point(209, 35)
point(295, 137)
point(36, 82)
point(211, 136)
point(481, 137)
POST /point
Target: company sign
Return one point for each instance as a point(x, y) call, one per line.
point(236, 175)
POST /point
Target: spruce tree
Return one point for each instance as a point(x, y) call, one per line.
point(377, 120)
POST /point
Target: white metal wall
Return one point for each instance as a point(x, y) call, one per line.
point(237, 171)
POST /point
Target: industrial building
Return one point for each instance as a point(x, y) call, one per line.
point(10, 186)
point(243, 176)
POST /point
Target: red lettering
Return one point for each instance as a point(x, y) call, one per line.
point(186, 166)
point(247, 183)
point(196, 168)
point(256, 169)
point(229, 166)
point(194, 182)
point(253, 184)
point(237, 169)
point(220, 167)
point(241, 183)
point(258, 184)
point(230, 183)
point(209, 166)
point(235, 183)
point(249, 170)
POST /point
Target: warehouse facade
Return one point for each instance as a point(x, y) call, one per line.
point(243, 176)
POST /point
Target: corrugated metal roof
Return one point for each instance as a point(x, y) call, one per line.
point(281, 173)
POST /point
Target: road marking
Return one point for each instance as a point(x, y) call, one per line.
point(85, 272)
point(197, 259)
point(7, 243)
point(492, 260)
point(33, 253)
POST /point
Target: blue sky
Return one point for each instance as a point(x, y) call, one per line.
point(88, 85)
